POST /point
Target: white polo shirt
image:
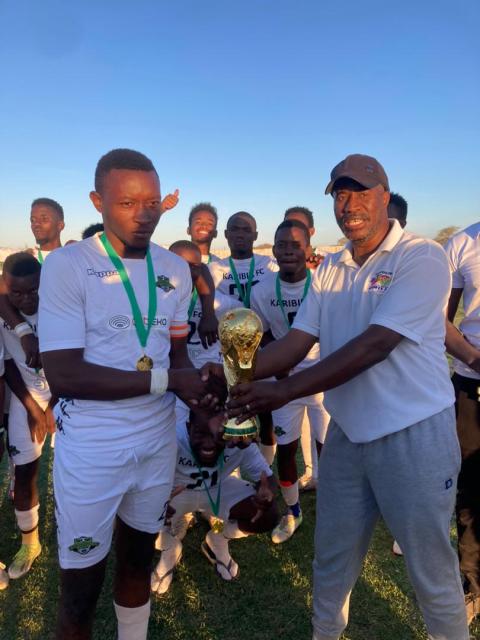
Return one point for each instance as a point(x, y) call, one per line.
point(463, 251)
point(83, 305)
point(403, 286)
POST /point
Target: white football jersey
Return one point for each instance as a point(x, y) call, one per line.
point(225, 282)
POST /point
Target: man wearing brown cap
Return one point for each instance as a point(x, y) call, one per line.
point(377, 308)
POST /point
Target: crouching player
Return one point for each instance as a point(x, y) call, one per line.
point(203, 483)
point(30, 407)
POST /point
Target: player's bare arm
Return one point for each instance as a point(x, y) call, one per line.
point(37, 422)
point(456, 343)
point(208, 325)
point(369, 348)
point(13, 318)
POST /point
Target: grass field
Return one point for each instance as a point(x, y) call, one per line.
point(270, 601)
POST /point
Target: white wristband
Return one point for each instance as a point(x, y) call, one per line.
point(22, 329)
point(158, 381)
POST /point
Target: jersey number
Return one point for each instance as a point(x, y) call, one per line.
point(191, 333)
point(203, 476)
point(232, 290)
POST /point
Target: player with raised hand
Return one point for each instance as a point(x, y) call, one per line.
point(202, 228)
point(30, 407)
point(113, 330)
point(276, 300)
point(204, 483)
point(170, 201)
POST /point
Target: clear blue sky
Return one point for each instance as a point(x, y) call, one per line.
point(247, 104)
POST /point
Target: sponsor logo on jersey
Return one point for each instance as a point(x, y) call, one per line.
point(163, 282)
point(83, 545)
point(119, 322)
point(380, 281)
point(243, 275)
point(285, 303)
point(185, 462)
point(102, 274)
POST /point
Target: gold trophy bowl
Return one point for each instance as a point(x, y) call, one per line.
point(240, 331)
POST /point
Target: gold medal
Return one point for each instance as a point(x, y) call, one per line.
point(145, 363)
point(217, 525)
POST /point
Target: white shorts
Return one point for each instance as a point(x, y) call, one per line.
point(21, 449)
point(287, 421)
point(93, 487)
point(233, 490)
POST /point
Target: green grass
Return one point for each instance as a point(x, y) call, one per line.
point(271, 599)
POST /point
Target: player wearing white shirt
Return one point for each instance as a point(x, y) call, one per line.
point(113, 328)
point(277, 300)
point(30, 407)
point(204, 483)
point(3, 574)
point(378, 309)
point(202, 228)
point(463, 254)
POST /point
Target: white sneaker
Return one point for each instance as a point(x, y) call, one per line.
point(286, 527)
point(162, 575)
point(307, 482)
point(396, 549)
point(180, 526)
point(4, 579)
point(23, 560)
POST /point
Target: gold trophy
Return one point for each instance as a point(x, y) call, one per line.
point(240, 331)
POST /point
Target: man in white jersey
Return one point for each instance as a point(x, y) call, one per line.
point(202, 228)
point(113, 329)
point(3, 574)
point(47, 223)
point(204, 483)
point(391, 447)
point(235, 277)
point(31, 405)
point(277, 300)
point(464, 344)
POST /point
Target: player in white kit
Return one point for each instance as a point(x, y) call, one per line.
point(30, 407)
point(3, 574)
point(277, 300)
point(113, 328)
point(204, 483)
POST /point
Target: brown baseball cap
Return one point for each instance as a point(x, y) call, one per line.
point(365, 170)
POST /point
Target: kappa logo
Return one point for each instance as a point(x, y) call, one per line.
point(83, 545)
point(119, 322)
point(381, 281)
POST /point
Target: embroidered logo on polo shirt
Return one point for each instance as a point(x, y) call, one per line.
point(380, 281)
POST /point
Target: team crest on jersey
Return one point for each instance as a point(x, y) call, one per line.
point(163, 282)
point(83, 545)
point(380, 281)
point(279, 431)
point(12, 450)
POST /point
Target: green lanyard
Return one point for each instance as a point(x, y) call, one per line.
point(40, 256)
point(193, 302)
point(244, 294)
point(209, 258)
point(278, 289)
point(215, 505)
point(141, 329)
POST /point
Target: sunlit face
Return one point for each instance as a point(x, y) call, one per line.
point(360, 213)
point(130, 205)
point(291, 251)
point(206, 437)
point(45, 223)
point(241, 233)
point(203, 228)
point(22, 292)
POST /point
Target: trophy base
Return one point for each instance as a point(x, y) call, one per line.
point(248, 429)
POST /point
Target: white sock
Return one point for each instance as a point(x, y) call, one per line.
point(232, 531)
point(290, 493)
point(268, 452)
point(27, 521)
point(132, 622)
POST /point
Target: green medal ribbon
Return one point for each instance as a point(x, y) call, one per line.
point(215, 505)
point(244, 295)
point(193, 302)
point(209, 258)
point(142, 330)
point(278, 289)
point(40, 256)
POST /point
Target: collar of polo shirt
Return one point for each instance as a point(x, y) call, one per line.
point(391, 240)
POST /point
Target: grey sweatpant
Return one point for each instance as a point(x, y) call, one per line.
point(409, 478)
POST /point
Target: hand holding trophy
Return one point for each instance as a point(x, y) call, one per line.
point(240, 331)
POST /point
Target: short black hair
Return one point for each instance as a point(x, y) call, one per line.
point(184, 244)
point(402, 205)
point(203, 206)
point(289, 224)
point(21, 264)
point(92, 230)
point(241, 213)
point(48, 202)
point(121, 159)
point(303, 210)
